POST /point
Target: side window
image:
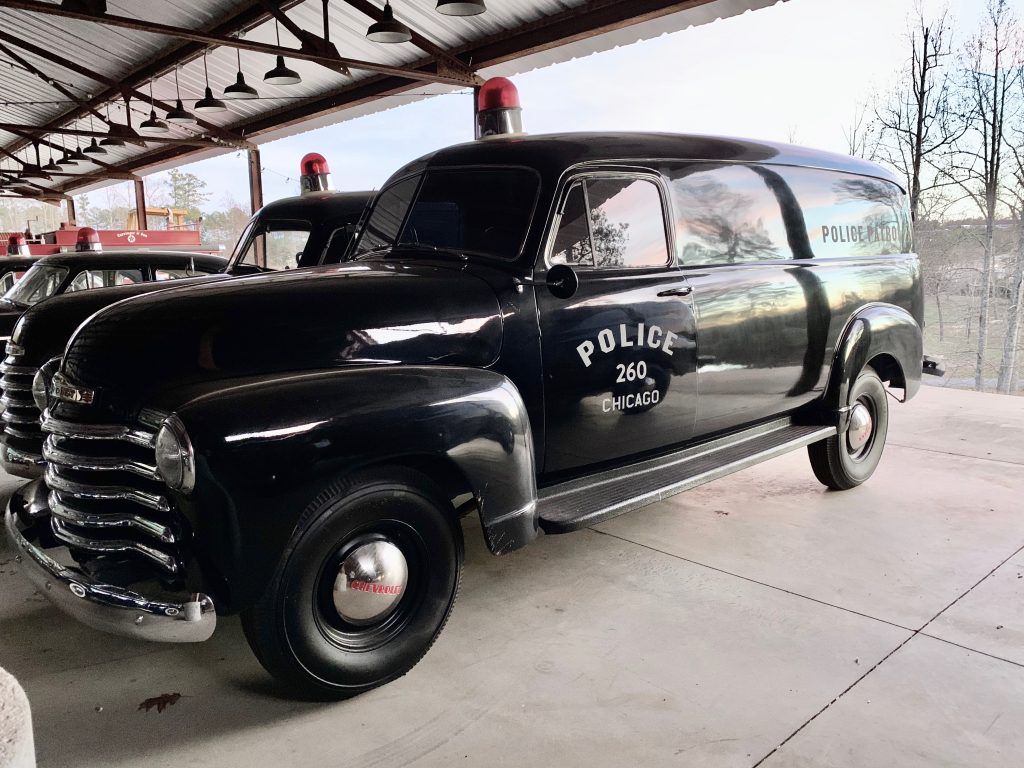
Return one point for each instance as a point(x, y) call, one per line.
point(127, 277)
point(171, 274)
point(612, 222)
point(7, 281)
point(728, 215)
point(338, 245)
point(848, 215)
point(86, 280)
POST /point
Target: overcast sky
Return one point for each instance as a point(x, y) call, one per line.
point(792, 71)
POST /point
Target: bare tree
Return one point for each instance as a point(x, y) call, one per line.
point(918, 119)
point(976, 162)
point(862, 134)
point(1009, 365)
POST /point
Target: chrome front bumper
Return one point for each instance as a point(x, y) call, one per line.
point(103, 606)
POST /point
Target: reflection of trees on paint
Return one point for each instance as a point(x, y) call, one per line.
point(867, 191)
point(610, 239)
point(721, 224)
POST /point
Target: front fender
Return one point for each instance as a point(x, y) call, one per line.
point(885, 335)
point(265, 447)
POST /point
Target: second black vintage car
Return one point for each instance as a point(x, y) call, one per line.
point(548, 330)
point(320, 224)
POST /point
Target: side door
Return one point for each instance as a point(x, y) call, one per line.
point(762, 310)
point(619, 354)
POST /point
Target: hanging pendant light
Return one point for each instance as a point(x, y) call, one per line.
point(460, 7)
point(79, 156)
point(281, 74)
point(94, 148)
point(208, 103)
point(152, 125)
point(66, 161)
point(110, 141)
point(240, 89)
point(179, 114)
point(51, 167)
point(34, 171)
point(388, 29)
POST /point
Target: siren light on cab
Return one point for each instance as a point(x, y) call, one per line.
point(499, 112)
point(88, 240)
point(315, 174)
point(17, 245)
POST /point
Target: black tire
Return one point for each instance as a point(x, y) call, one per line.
point(294, 629)
point(836, 463)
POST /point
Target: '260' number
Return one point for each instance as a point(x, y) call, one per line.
point(631, 372)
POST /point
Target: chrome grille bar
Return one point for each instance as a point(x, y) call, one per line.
point(69, 537)
point(77, 431)
point(54, 454)
point(106, 520)
point(104, 492)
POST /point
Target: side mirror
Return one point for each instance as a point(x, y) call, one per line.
point(562, 280)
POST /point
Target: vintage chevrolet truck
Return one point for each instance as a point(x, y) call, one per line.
point(547, 331)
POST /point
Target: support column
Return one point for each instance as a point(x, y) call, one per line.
point(256, 201)
point(72, 216)
point(140, 204)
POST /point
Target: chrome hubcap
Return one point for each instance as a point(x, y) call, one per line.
point(370, 582)
point(861, 426)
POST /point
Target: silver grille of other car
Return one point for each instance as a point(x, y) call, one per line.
point(106, 495)
point(20, 417)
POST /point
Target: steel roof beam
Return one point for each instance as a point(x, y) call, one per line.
point(328, 56)
point(35, 130)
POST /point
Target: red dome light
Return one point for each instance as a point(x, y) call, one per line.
point(315, 174)
point(314, 164)
point(17, 245)
point(16, 239)
point(88, 239)
point(498, 93)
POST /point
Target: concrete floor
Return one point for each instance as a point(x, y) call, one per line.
point(755, 621)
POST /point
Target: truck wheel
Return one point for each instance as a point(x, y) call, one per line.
point(845, 461)
point(363, 589)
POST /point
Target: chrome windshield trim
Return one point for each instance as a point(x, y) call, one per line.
point(104, 492)
point(98, 431)
point(107, 520)
point(54, 454)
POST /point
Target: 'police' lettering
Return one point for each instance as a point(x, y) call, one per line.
point(608, 341)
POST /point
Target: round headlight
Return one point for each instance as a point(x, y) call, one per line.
point(41, 383)
point(174, 457)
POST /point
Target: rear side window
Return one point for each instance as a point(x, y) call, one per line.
point(612, 222)
point(849, 215)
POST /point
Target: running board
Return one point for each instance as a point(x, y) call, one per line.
point(593, 499)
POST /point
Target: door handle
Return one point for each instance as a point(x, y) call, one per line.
point(685, 291)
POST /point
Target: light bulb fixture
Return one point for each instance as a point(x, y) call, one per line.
point(240, 89)
point(79, 156)
point(94, 148)
point(460, 7)
point(281, 74)
point(51, 167)
point(179, 113)
point(388, 29)
point(152, 125)
point(208, 103)
point(110, 141)
point(67, 161)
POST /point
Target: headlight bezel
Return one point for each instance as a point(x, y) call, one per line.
point(175, 457)
point(42, 383)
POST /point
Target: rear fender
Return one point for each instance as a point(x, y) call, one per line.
point(266, 447)
point(885, 336)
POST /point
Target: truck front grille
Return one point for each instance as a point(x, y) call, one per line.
point(106, 495)
point(19, 419)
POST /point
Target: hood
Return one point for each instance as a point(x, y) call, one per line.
point(357, 314)
point(9, 315)
point(45, 328)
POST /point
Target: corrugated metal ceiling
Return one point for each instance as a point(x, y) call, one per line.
point(513, 35)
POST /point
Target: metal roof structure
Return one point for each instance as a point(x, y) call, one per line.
point(75, 71)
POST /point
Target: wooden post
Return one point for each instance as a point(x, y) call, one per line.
point(256, 200)
point(72, 216)
point(140, 204)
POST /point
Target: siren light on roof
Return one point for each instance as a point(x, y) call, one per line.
point(498, 109)
point(17, 245)
point(315, 174)
point(88, 240)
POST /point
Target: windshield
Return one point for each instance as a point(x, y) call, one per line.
point(39, 283)
point(478, 211)
point(272, 244)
